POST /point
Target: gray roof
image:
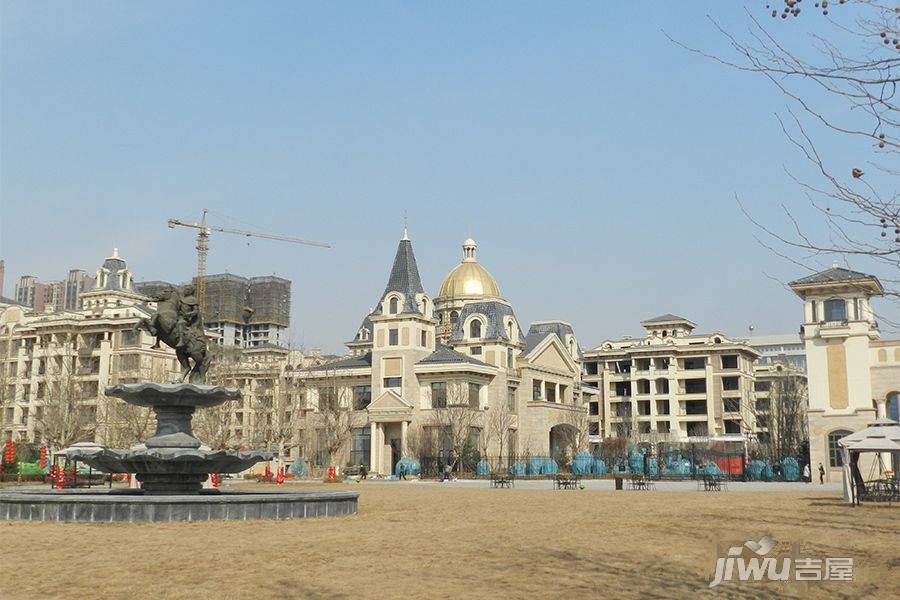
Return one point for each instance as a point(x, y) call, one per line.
point(113, 265)
point(831, 275)
point(352, 362)
point(666, 318)
point(540, 330)
point(447, 355)
point(495, 312)
point(404, 277)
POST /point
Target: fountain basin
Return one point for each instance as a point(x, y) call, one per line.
point(126, 507)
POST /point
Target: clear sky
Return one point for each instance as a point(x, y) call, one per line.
point(594, 162)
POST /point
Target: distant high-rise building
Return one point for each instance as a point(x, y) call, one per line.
point(247, 312)
point(60, 295)
point(787, 349)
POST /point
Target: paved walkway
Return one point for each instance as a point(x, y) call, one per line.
point(609, 485)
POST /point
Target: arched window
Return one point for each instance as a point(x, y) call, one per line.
point(454, 317)
point(835, 310)
point(393, 306)
point(665, 333)
point(475, 329)
point(834, 451)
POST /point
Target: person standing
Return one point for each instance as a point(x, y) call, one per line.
point(821, 474)
point(806, 476)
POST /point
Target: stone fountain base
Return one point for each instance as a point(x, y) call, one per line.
point(171, 467)
point(128, 506)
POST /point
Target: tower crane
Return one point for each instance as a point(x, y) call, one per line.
point(203, 246)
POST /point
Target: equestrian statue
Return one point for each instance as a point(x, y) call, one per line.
point(178, 324)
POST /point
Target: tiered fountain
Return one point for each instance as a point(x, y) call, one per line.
point(171, 466)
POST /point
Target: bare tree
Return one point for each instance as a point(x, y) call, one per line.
point(575, 430)
point(214, 425)
point(500, 420)
point(123, 424)
point(851, 60)
point(64, 418)
point(784, 416)
point(456, 422)
point(278, 412)
point(335, 416)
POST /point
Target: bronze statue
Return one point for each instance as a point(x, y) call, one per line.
point(177, 323)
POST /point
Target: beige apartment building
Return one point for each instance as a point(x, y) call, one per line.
point(415, 358)
point(76, 352)
point(673, 384)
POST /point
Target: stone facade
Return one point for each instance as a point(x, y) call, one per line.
point(854, 376)
point(414, 360)
point(673, 384)
point(85, 349)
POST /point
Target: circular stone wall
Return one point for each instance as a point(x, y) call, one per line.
point(123, 507)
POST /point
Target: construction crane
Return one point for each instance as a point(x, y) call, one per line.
point(203, 246)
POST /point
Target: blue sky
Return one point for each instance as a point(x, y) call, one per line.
point(595, 163)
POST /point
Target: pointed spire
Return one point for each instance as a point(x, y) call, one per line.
point(405, 237)
point(404, 276)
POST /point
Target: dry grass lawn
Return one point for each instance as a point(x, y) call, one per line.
point(418, 541)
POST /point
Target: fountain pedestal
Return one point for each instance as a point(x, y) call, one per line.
point(172, 461)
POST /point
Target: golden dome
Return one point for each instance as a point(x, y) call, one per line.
point(469, 278)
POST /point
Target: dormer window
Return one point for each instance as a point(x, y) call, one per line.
point(454, 317)
point(393, 307)
point(475, 329)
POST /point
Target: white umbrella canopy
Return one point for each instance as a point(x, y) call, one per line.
point(882, 435)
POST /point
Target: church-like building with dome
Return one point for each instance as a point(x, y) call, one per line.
point(418, 363)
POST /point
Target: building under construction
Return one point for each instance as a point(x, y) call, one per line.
point(247, 312)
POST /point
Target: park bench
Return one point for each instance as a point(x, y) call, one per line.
point(639, 482)
point(711, 483)
point(881, 490)
point(566, 482)
point(501, 480)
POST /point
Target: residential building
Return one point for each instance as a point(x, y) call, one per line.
point(854, 375)
point(247, 312)
point(54, 295)
point(415, 360)
point(785, 349)
point(82, 350)
point(673, 384)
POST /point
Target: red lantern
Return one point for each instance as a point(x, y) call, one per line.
point(268, 472)
point(279, 479)
point(214, 479)
point(60, 478)
point(10, 451)
point(43, 456)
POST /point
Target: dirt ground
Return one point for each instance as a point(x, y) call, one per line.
point(424, 541)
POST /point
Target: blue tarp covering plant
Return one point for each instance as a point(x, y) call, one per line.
point(636, 462)
point(408, 466)
point(581, 464)
point(755, 470)
point(482, 468)
point(712, 468)
point(517, 469)
point(790, 469)
point(541, 465)
point(598, 467)
point(299, 468)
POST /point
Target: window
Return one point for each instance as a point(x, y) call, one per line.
point(730, 361)
point(474, 394)
point(393, 337)
point(362, 396)
point(476, 350)
point(731, 384)
point(327, 398)
point(438, 394)
point(813, 307)
point(835, 310)
point(593, 428)
point(393, 308)
point(511, 399)
point(393, 382)
point(834, 451)
point(475, 329)
point(424, 339)
point(360, 445)
point(551, 393)
point(536, 391)
point(454, 317)
point(762, 386)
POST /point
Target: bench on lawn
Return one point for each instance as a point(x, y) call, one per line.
point(638, 481)
point(501, 480)
point(566, 482)
point(711, 483)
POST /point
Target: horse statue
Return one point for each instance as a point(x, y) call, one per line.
point(177, 324)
